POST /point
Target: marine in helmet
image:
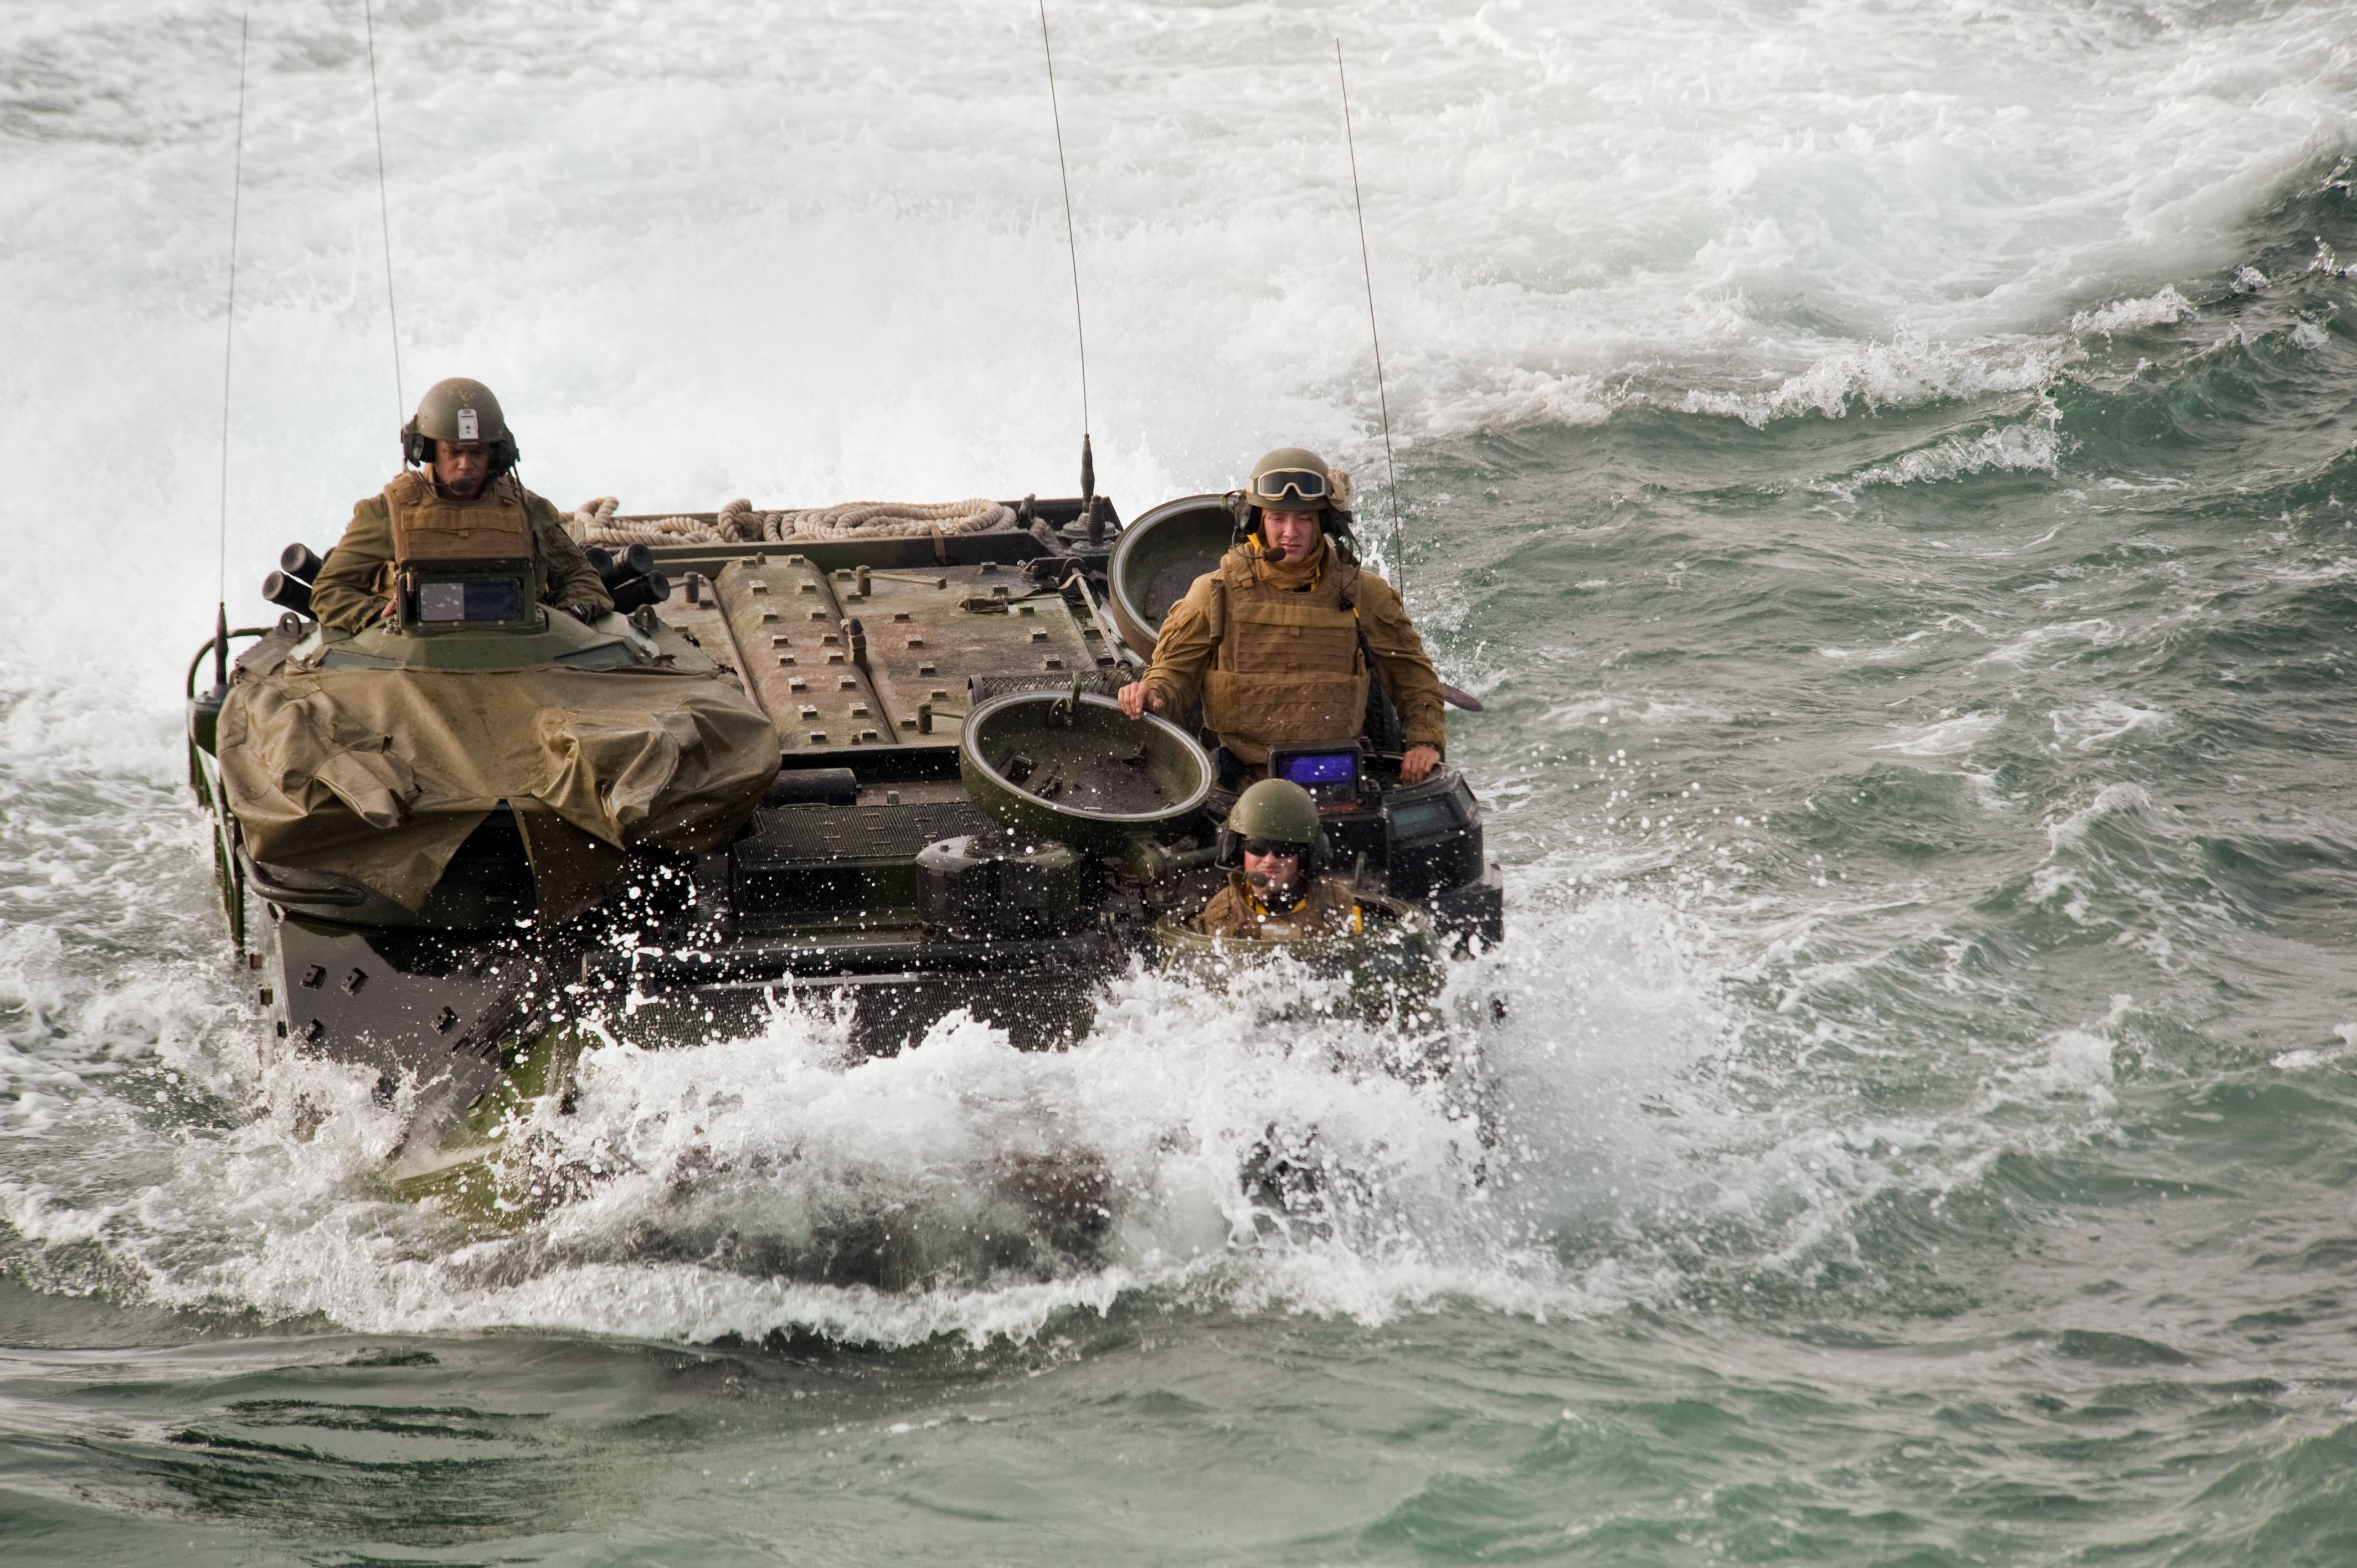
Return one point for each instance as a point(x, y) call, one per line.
point(455, 480)
point(1278, 890)
point(1280, 644)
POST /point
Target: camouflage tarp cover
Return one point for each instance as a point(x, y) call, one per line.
point(380, 774)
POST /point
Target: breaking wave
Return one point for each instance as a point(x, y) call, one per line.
point(1195, 1146)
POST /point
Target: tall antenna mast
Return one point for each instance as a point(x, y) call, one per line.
point(384, 216)
point(1366, 269)
point(1071, 248)
point(229, 344)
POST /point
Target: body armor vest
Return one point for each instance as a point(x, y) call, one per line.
point(1289, 669)
point(430, 530)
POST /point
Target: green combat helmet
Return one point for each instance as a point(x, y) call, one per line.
point(459, 409)
point(1280, 811)
point(1291, 479)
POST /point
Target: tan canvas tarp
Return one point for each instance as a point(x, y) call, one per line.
point(380, 774)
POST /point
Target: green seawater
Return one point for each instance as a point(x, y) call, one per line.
point(1924, 1112)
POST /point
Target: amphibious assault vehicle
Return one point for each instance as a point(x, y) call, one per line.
point(948, 808)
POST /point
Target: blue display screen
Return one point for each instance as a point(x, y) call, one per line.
point(1333, 767)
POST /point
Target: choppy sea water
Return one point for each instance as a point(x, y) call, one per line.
point(1890, 471)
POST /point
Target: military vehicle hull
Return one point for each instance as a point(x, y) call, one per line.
point(888, 869)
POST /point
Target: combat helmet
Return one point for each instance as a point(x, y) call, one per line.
point(1294, 479)
point(459, 409)
point(1280, 811)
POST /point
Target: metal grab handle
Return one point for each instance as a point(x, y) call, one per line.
point(206, 647)
point(279, 892)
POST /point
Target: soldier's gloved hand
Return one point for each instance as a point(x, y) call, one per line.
point(1417, 765)
point(1137, 699)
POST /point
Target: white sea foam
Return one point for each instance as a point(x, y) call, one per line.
point(2098, 725)
point(2131, 801)
point(2079, 1063)
point(2041, 642)
point(736, 1189)
point(1950, 738)
point(2032, 448)
point(1879, 375)
point(2165, 308)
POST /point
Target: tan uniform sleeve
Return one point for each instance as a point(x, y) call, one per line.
point(1183, 651)
point(570, 578)
point(344, 595)
point(1401, 661)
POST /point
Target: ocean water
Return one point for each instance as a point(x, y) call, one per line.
point(1891, 470)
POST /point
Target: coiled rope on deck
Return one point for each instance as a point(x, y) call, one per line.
point(594, 523)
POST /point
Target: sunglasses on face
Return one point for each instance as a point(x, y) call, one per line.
point(1271, 847)
point(1278, 483)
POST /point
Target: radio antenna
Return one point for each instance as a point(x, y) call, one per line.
point(1366, 269)
point(1073, 250)
point(384, 216)
point(229, 345)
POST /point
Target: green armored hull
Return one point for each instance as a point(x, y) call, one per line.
point(949, 810)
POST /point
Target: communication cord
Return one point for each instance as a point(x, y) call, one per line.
point(229, 345)
point(384, 216)
point(1366, 268)
point(1072, 243)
